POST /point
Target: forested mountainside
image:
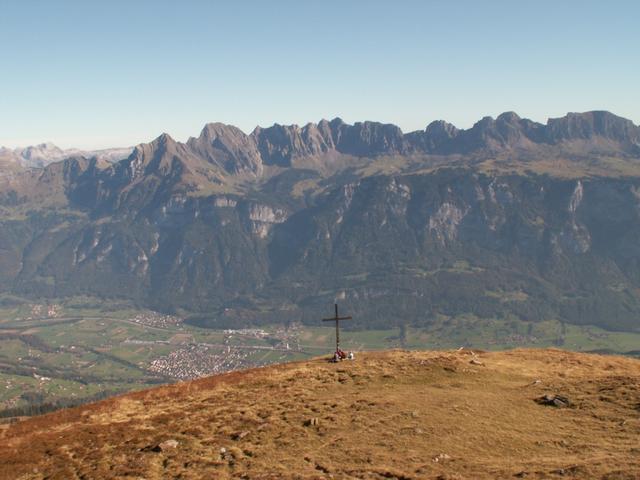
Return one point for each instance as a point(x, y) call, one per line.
point(509, 217)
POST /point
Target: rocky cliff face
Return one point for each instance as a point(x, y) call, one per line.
point(229, 223)
point(227, 147)
point(584, 126)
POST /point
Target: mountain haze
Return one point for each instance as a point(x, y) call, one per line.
point(508, 218)
point(45, 153)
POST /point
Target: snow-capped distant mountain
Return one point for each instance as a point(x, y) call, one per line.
point(39, 155)
point(110, 155)
point(45, 153)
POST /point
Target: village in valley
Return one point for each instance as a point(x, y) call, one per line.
point(63, 354)
point(226, 350)
point(51, 353)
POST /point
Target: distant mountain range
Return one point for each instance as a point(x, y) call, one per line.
point(290, 146)
point(510, 219)
point(234, 151)
point(45, 153)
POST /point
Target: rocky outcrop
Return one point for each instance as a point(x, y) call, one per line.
point(263, 217)
point(368, 138)
point(586, 126)
point(160, 157)
point(444, 222)
point(227, 147)
point(437, 137)
point(280, 144)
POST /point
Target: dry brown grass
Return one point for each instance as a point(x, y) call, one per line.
point(387, 415)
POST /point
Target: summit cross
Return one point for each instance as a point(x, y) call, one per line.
point(337, 319)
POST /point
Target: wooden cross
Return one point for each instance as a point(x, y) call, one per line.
point(336, 319)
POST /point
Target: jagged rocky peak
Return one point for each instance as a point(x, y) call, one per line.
point(482, 135)
point(279, 144)
point(336, 127)
point(369, 138)
point(507, 131)
point(318, 137)
point(69, 168)
point(508, 117)
point(376, 131)
point(158, 144)
point(441, 129)
point(158, 156)
point(434, 138)
point(216, 130)
point(164, 139)
point(584, 126)
point(324, 129)
point(163, 143)
point(513, 131)
point(228, 147)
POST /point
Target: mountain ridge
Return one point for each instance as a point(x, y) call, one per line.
point(280, 144)
point(235, 151)
point(234, 228)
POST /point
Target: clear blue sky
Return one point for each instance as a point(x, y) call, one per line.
point(113, 73)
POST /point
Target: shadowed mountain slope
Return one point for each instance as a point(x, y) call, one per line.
point(507, 218)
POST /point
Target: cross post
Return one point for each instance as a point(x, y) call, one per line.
point(337, 319)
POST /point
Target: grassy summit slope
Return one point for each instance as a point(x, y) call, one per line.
point(393, 414)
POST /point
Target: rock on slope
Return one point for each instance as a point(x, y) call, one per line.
point(399, 415)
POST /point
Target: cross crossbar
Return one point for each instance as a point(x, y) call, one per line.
point(337, 319)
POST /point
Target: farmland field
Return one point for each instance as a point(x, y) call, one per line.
point(66, 353)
